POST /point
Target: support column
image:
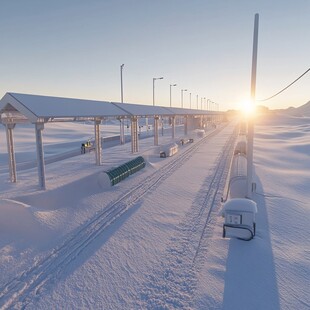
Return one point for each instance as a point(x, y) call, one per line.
point(162, 126)
point(173, 127)
point(134, 135)
point(98, 142)
point(147, 125)
point(40, 154)
point(156, 119)
point(122, 131)
point(190, 124)
point(185, 125)
point(10, 145)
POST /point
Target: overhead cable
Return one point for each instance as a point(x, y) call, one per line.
point(285, 87)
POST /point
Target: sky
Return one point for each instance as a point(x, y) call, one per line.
point(75, 48)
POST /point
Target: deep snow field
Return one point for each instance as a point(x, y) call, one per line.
point(154, 240)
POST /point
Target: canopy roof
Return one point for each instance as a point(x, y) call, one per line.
point(17, 108)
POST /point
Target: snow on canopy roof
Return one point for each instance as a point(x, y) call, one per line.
point(184, 111)
point(34, 107)
point(17, 107)
point(143, 110)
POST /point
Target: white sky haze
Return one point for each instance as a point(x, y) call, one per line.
point(75, 49)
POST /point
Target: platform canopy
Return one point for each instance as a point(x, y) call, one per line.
point(185, 111)
point(141, 110)
point(17, 108)
point(25, 108)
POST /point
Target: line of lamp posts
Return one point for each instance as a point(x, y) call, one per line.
point(205, 103)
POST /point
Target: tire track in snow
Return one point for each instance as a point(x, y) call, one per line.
point(172, 284)
point(27, 286)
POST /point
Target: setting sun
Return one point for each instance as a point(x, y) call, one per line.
point(247, 107)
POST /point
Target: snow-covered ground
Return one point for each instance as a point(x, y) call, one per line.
point(154, 241)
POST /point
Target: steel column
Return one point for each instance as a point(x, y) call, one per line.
point(98, 150)
point(185, 125)
point(134, 135)
point(10, 146)
point(40, 154)
point(122, 131)
point(173, 126)
point(156, 119)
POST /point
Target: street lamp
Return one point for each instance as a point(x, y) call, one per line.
point(171, 85)
point(182, 90)
point(122, 99)
point(154, 79)
point(210, 105)
point(197, 101)
point(190, 100)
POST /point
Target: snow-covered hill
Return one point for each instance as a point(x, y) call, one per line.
point(303, 110)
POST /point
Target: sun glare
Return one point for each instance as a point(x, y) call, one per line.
point(247, 107)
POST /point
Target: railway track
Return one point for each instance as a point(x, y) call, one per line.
point(26, 286)
point(171, 285)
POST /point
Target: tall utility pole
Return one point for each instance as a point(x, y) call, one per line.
point(251, 117)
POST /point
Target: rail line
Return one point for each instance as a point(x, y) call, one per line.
point(19, 291)
point(171, 284)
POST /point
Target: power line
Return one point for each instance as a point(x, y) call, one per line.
point(286, 87)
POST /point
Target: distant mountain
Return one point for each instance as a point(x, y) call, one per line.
point(303, 110)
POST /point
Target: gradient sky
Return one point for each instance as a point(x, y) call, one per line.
point(74, 48)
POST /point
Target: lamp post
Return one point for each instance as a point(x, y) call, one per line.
point(190, 100)
point(154, 79)
point(171, 85)
point(182, 90)
point(197, 102)
point(122, 98)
